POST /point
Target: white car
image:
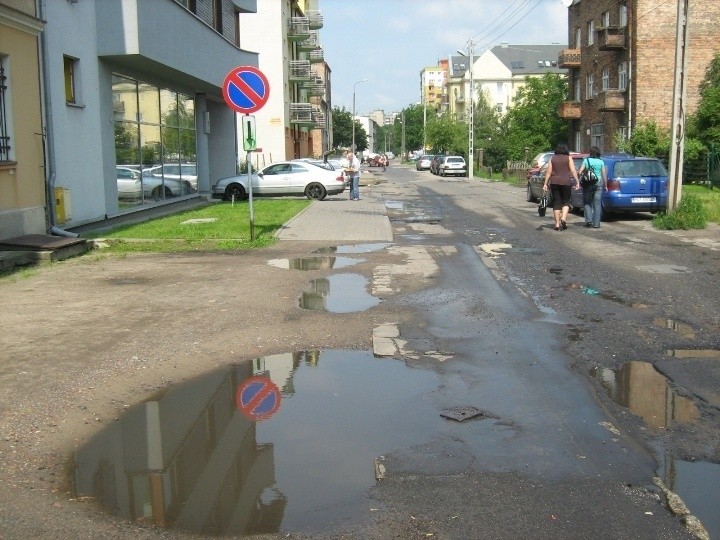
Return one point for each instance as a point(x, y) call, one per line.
point(175, 171)
point(452, 165)
point(283, 178)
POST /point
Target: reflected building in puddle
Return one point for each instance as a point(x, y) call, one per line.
point(646, 393)
point(188, 459)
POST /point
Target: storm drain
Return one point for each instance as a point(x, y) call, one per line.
point(460, 414)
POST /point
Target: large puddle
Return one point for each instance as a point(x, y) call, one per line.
point(314, 263)
point(339, 293)
point(278, 444)
point(646, 393)
point(698, 484)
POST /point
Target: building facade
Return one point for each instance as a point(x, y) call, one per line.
point(294, 121)
point(22, 178)
point(432, 85)
point(136, 116)
point(622, 65)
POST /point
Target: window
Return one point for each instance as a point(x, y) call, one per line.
point(591, 32)
point(623, 15)
point(596, 136)
point(576, 93)
point(500, 88)
point(622, 133)
point(590, 86)
point(578, 38)
point(622, 76)
point(605, 19)
point(578, 141)
point(217, 16)
point(605, 79)
point(6, 153)
point(71, 71)
point(499, 108)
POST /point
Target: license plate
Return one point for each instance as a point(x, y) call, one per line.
point(642, 199)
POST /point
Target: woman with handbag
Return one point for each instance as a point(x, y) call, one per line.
point(561, 177)
point(592, 191)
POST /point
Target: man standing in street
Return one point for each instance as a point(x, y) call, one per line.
point(353, 172)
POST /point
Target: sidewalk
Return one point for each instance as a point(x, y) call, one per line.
point(338, 219)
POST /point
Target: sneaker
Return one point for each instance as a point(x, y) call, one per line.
point(588, 224)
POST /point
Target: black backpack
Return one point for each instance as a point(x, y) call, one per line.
point(588, 178)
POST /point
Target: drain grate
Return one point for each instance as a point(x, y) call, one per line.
point(461, 414)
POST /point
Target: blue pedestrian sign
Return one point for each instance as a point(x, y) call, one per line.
point(246, 89)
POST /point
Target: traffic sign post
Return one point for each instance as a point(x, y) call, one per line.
point(258, 398)
point(246, 90)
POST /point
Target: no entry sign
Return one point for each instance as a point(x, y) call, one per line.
point(258, 398)
point(246, 89)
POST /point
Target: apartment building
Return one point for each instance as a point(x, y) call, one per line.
point(432, 85)
point(133, 91)
point(22, 179)
point(295, 120)
point(622, 65)
point(498, 74)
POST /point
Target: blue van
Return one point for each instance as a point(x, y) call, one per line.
point(635, 184)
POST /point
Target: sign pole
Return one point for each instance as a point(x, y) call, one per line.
point(250, 196)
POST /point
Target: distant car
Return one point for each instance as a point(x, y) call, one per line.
point(635, 184)
point(452, 166)
point(134, 185)
point(435, 162)
point(537, 178)
point(283, 178)
point(423, 162)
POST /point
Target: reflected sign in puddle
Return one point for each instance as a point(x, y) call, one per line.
point(698, 484)
point(339, 293)
point(314, 263)
point(355, 248)
point(190, 459)
point(646, 393)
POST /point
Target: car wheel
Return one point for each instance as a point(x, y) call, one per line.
point(315, 191)
point(529, 195)
point(235, 190)
point(157, 193)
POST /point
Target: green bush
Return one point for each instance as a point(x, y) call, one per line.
point(689, 214)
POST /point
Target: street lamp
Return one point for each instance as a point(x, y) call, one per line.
point(470, 55)
point(353, 114)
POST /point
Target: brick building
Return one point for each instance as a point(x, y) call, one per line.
point(622, 65)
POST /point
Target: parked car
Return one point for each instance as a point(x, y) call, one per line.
point(319, 162)
point(452, 165)
point(283, 178)
point(537, 178)
point(635, 184)
point(133, 185)
point(538, 161)
point(175, 171)
point(435, 162)
point(423, 162)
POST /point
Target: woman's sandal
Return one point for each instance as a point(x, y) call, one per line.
point(563, 224)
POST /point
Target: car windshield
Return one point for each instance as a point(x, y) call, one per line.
point(639, 167)
point(455, 160)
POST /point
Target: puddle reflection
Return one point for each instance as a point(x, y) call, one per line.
point(339, 293)
point(646, 393)
point(698, 484)
point(356, 248)
point(189, 459)
point(712, 354)
point(685, 330)
point(314, 263)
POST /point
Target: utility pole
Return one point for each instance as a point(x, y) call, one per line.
point(677, 134)
point(470, 55)
point(402, 135)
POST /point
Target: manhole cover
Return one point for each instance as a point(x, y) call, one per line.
point(463, 413)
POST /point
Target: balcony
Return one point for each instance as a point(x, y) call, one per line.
point(298, 28)
point(299, 71)
point(611, 38)
point(315, 19)
point(611, 100)
point(570, 110)
point(305, 115)
point(318, 119)
point(316, 86)
point(316, 56)
point(569, 58)
point(310, 43)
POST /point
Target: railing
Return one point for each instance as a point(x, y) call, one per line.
point(611, 37)
point(299, 71)
point(570, 110)
point(611, 100)
point(315, 19)
point(310, 43)
point(569, 58)
point(316, 55)
point(298, 28)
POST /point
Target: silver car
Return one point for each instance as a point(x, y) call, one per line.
point(134, 185)
point(283, 178)
point(452, 166)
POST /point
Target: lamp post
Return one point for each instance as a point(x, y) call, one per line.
point(470, 55)
point(353, 115)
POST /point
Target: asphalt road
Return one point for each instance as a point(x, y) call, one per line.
point(557, 338)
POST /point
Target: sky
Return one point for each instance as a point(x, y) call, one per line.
point(388, 42)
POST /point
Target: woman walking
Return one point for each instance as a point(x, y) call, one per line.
point(561, 177)
point(592, 193)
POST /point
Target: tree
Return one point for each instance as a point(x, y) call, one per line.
point(413, 115)
point(445, 135)
point(705, 124)
point(342, 122)
point(532, 121)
